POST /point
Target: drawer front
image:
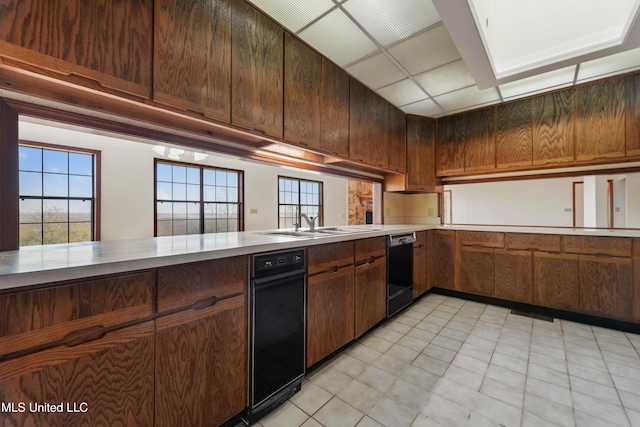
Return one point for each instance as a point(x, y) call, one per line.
point(537, 242)
point(614, 246)
point(201, 283)
point(366, 249)
point(329, 257)
point(481, 238)
point(68, 314)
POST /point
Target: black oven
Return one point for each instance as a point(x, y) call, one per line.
point(399, 271)
point(277, 362)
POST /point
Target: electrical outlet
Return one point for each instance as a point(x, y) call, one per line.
point(387, 211)
point(431, 212)
point(617, 209)
point(253, 211)
point(567, 209)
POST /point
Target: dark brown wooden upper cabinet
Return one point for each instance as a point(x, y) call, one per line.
point(302, 81)
point(633, 115)
point(368, 126)
point(600, 120)
point(257, 61)
point(421, 169)
point(192, 56)
point(553, 128)
point(91, 43)
point(334, 110)
point(397, 140)
point(514, 134)
point(479, 140)
point(450, 145)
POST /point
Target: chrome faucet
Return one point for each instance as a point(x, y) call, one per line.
point(311, 221)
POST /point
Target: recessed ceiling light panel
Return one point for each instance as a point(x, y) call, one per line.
point(467, 98)
point(337, 37)
point(401, 93)
point(293, 14)
point(426, 51)
point(391, 21)
point(446, 78)
point(376, 71)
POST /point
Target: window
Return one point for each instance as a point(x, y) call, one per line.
point(193, 199)
point(57, 194)
point(297, 196)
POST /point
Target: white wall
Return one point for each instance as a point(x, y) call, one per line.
point(633, 201)
point(526, 202)
point(127, 183)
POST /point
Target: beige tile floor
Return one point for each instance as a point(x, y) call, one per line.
point(450, 362)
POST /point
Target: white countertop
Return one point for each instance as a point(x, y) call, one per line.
point(36, 265)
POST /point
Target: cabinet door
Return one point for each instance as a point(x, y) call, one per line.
point(108, 42)
point(192, 56)
point(420, 264)
point(553, 128)
point(302, 80)
point(202, 283)
point(450, 145)
point(330, 312)
point(632, 120)
point(201, 365)
point(331, 256)
point(334, 116)
point(257, 61)
point(556, 281)
point(421, 173)
point(65, 314)
point(479, 140)
point(442, 260)
point(606, 287)
point(368, 126)
point(110, 378)
point(397, 140)
point(370, 294)
point(514, 134)
point(600, 120)
point(514, 275)
point(477, 271)
point(368, 249)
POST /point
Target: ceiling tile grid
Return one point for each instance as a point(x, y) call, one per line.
point(402, 50)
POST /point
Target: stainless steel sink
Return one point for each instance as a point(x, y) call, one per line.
point(318, 232)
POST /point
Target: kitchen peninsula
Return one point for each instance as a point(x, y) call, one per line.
point(170, 314)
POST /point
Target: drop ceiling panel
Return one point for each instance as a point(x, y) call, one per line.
point(467, 98)
point(376, 71)
point(446, 78)
point(426, 51)
point(541, 83)
point(423, 108)
point(403, 92)
point(293, 14)
point(392, 21)
point(614, 64)
point(337, 37)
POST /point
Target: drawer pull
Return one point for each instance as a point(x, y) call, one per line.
point(205, 302)
point(75, 338)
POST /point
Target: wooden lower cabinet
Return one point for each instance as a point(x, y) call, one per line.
point(420, 285)
point(606, 287)
point(441, 262)
point(201, 365)
point(330, 312)
point(110, 379)
point(556, 281)
point(477, 273)
point(514, 275)
point(370, 294)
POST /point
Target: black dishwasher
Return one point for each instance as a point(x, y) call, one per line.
point(399, 271)
point(277, 330)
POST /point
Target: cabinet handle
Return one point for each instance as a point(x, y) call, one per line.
point(601, 255)
point(75, 338)
point(205, 302)
point(372, 259)
point(334, 269)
